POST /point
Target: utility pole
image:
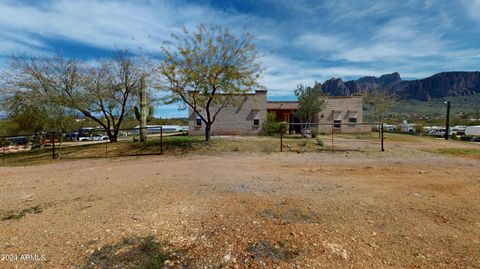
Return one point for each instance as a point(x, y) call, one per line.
point(447, 123)
point(478, 119)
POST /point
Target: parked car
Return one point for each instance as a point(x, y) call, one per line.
point(458, 130)
point(390, 127)
point(94, 137)
point(72, 136)
point(84, 138)
point(17, 140)
point(98, 137)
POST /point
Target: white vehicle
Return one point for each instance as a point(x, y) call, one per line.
point(431, 130)
point(473, 130)
point(83, 138)
point(390, 127)
point(155, 129)
point(441, 132)
point(98, 137)
point(408, 127)
point(458, 130)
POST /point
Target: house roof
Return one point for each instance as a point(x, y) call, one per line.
point(282, 105)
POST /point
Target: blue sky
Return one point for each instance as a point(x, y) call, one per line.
point(301, 41)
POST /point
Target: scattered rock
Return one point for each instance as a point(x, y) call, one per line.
point(227, 257)
point(336, 249)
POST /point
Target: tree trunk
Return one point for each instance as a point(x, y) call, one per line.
point(143, 110)
point(208, 128)
point(113, 137)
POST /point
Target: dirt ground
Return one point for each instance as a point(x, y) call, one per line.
point(403, 208)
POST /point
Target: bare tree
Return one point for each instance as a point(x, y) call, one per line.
point(207, 68)
point(379, 101)
point(104, 92)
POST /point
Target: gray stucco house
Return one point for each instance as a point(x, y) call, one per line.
point(250, 110)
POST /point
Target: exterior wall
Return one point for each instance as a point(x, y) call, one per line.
point(342, 108)
point(235, 120)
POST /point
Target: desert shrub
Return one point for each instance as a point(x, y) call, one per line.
point(319, 141)
point(270, 126)
point(304, 141)
point(419, 129)
point(314, 132)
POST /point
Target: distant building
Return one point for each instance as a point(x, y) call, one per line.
point(341, 114)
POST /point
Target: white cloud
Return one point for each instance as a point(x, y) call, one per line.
point(399, 40)
point(283, 74)
point(473, 8)
point(320, 42)
point(101, 24)
point(306, 46)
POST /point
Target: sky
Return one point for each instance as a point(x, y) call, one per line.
point(300, 41)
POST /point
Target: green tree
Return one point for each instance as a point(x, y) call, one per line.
point(207, 68)
point(29, 115)
point(310, 102)
point(271, 126)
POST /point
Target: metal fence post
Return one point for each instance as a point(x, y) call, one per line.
point(106, 148)
point(53, 145)
point(3, 150)
point(333, 146)
point(281, 140)
point(381, 130)
point(161, 140)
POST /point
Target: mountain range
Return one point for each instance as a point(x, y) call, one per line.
point(440, 85)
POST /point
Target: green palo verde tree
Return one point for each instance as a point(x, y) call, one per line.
point(206, 69)
point(310, 102)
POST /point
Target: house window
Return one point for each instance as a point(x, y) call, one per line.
point(337, 119)
point(198, 121)
point(352, 116)
point(256, 118)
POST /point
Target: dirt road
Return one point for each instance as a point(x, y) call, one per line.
point(287, 210)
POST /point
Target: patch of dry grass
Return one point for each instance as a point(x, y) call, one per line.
point(181, 145)
point(461, 152)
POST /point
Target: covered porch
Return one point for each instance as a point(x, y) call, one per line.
point(284, 111)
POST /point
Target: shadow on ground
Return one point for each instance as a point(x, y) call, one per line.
point(134, 252)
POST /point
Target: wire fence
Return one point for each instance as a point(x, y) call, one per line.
point(336, 136)
point(94, 142)
point(86, 143)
